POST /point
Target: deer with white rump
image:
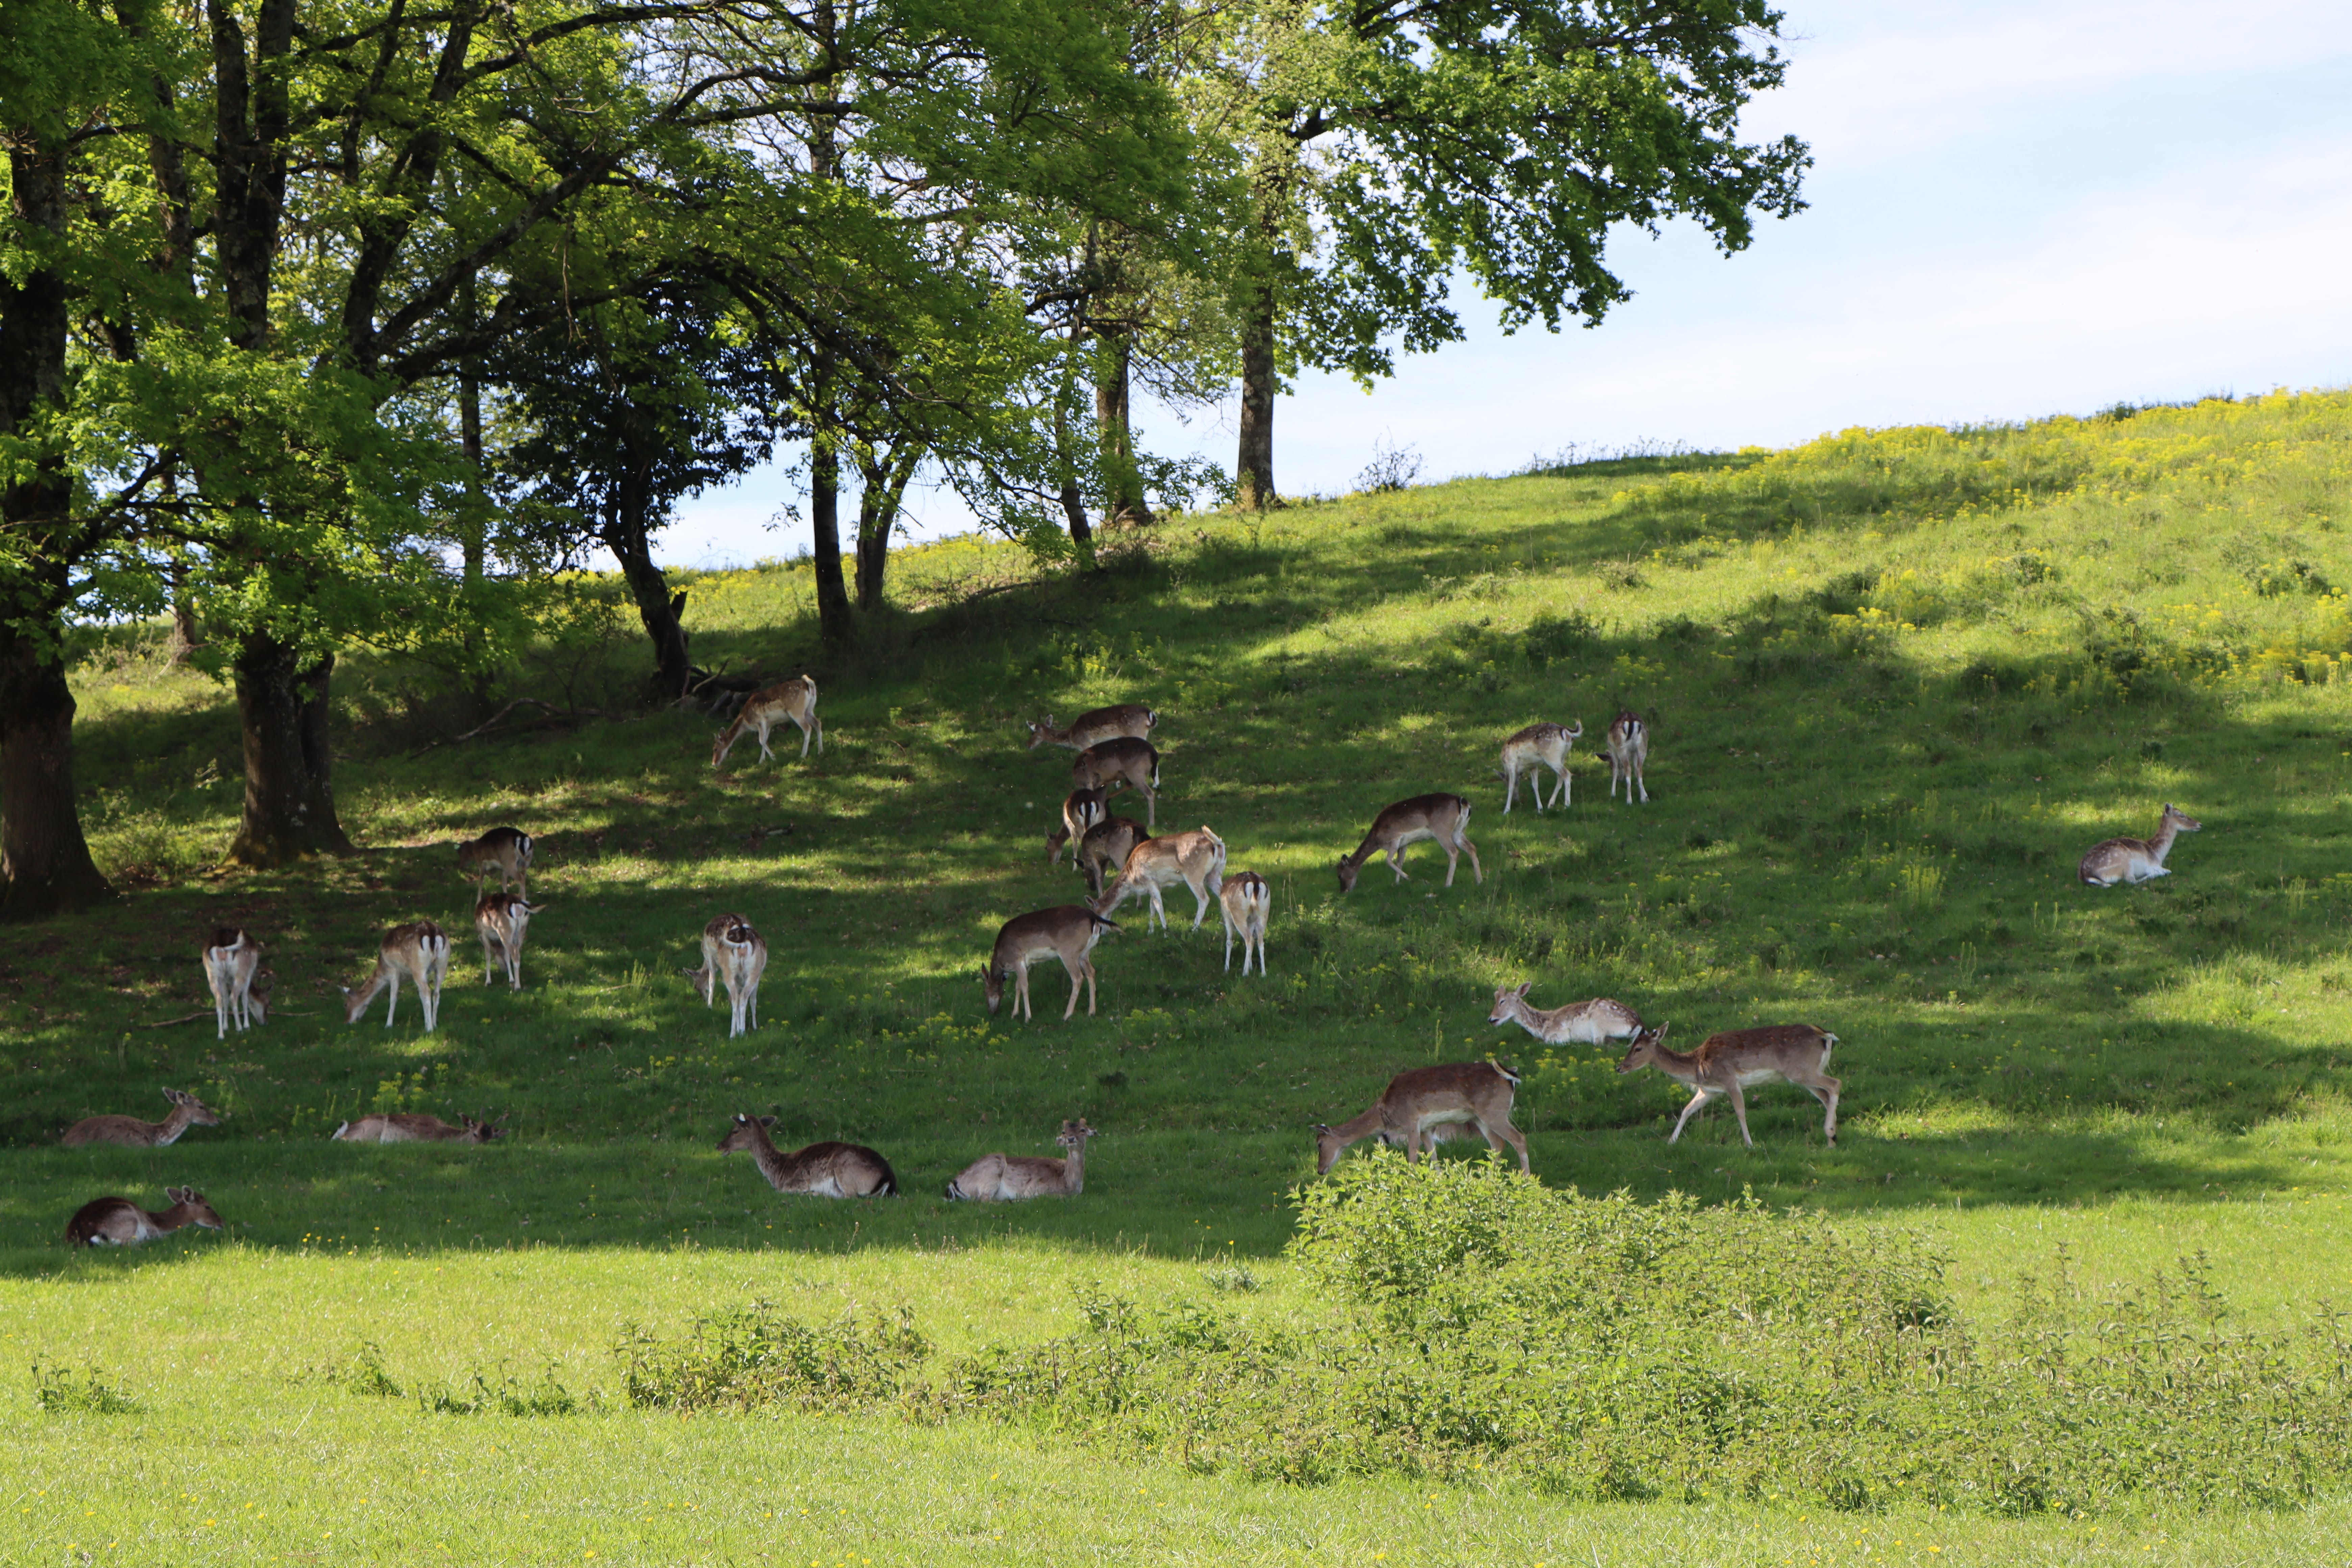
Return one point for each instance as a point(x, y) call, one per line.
point(1443, 818)
point(1111, 764)
point(130, 1132)
point(1132, 721)
point(2138, 859)
point(1589, 1023)
point(507, 851)
point(1081, 810)
point(1007, 1178)
point(501, 919)
point(1629, 751)
point(1732, 1062)
point(1196, 859)
point(822, 1170)
point(232, 959)
point(1530, 751)
point(416, 1127)
point(1428, 1104)
point(1244, 902)
point(1067, 933)
point(735, 956)
point(793, 699)
point(118, 1222)
point(420, 951)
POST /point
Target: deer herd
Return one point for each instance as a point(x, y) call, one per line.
point(1121, 860)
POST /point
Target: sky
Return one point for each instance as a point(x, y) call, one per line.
point(2016, 209)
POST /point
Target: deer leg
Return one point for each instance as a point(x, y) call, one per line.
point(1740, 1108)
point(752, 1003)
point(1511, 791)
point(1396, 864)
point(391, 985)
point(1825, 1089)
point(1021, 993)
point(1201, 892)
point(1511, 1135)
point(1229, 943)
point(1559, 795)
point(1476, 869)
point(1640, 781)
point(1698, 1099)
point(807, 733)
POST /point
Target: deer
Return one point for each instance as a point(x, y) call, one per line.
point(506, 850)
point(1103, 853)
point(130, 1132)
point(764, 709)
point(231, 960)
point(1443, 817)
point(1629, 748)
point(118, 1222)
point(416, 1127)
point(501, 919)
point(1081, 810)
point(1729, 1063)
point(735, 955)
point(2138, 859)
point(1107, 765)
point(1532, 750)
point(1592, 1023)
point(1007, 1178)
point(1244, 902)
point(820, 1170)
point(1195, 859)
point(419, 950)
point(1067, 933)
point(1132, 721)
point(1428, 1104)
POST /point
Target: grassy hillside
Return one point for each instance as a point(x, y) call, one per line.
point(1898, 682)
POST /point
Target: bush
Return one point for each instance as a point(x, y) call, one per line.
point(59, 1391)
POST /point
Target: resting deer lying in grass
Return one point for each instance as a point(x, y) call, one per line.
point(1103, 852)
point(1579, 1023)
point(1428, 1104)
point(1731, 1062)
point(1443, 817)
point(820, 1170)
point(416, 1127)
point(1629, 749)
point(1110, 764)
point(118, 1222)
point(764, 709)
point(506, 850)
point(2138, 859)
point(735, 956)
point(130, 1132)
point(419, 950)
point(501, 919)
point(1081, 810)
point(1244, 902)
point(1532, 750)
point(1196, 859)
point(1132, 721)
point(1067, 933)
point(231, 960)
point(1003, 1178)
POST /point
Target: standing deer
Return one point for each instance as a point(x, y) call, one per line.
point(1067, 933)
point(1131, 720)
point(1195, 859)
point(130, 1132)
point(1003, 1178)
point(764, 709)
point(1103, 852)
point(118, 1222)
point(1081, 810)
point(506, 850)
point(1629, 748)
point(1244, 902)
point(820, 1170)
point(419, 950)
point(1107, 765)
point(416, 1127)
point(231, 960)
point(1589, 1023)
point(1427, 1104)
point(735, 955)
point(1728, 1063)
point(2138, 859)
point(1532, 750)
point(1443, 818)
point(501, 919)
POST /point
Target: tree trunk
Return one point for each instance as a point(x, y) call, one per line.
point(657, 609)
point(45, 864)
point(289, 798)
point(1074, 505)
point(883, 486)
point(1254, 467)
point(1123, 485)
point(833, 615)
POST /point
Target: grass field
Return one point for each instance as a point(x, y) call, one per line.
point(1898, 682)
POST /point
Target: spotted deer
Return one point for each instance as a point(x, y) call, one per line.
point(1195, 859)
point(1007, 1178)
point(1532, 750)
point(1108, 764)
point(2138, 859)
point(1427, 1104)
point(1589, 1023)
point(130, 1132)
point(764, 709)
point(231, 960)
point(507, 851)
point(1629, 749)
point(416, 1127)
point(420, 951)
point(118, 1222)
point(1081, 810)
point(1443, 818)
point(1244, 902)
point(501, 920)
point(1132, 721)
point(1103, 852)
point(1730, 1063)
point(1067, 933)
point(734, 955)
point(820, 1170)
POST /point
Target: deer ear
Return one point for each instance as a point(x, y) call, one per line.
point(1525, 987)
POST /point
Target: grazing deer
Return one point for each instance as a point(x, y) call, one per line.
point(1589, 1023)
point(764, 709)
point(2138, 859)
point(1195, 859)
point(419, 950)
point(1443, 817)
point(735, 955)
point(1081, 810)
point(1532, 750)
point(820, 1170)
point(1728, 1063)
point(118, 1222)
point(231, 959)
point(1067, 933)
point(1629, 748)
point(1121, 761)
point(1103, 852)
point(1132, 721)
point(130, 1132)
point(1244, 902)
point(506, 850)
point(416, 1127)
point(501, 919)
point(1004, 1178)
point(1428, 1104)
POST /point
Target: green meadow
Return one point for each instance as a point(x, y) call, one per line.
point(1898, 682)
